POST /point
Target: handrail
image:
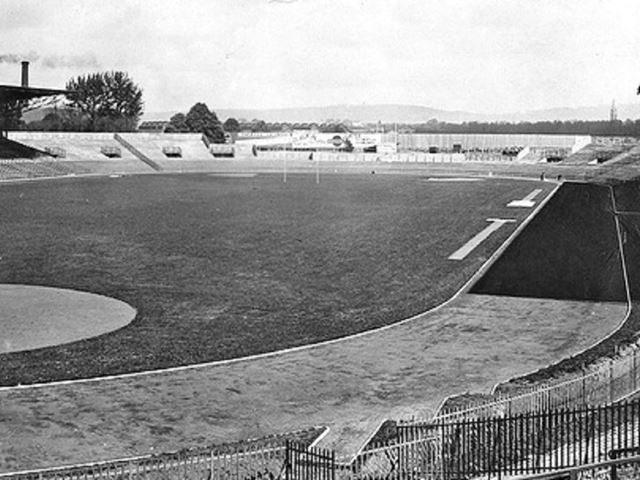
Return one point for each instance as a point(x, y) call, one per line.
point(573, 472)
point(141, 156)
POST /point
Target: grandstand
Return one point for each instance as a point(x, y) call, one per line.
point(599, 151)
point(75, 146)
point(105, 153)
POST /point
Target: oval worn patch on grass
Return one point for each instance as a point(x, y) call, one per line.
point(34, 317)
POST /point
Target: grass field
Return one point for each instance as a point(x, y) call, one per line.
point(224, 267)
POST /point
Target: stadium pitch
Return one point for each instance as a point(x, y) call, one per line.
point(224, 267)
point(371, 247)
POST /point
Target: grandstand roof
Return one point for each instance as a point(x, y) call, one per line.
point(9, 93)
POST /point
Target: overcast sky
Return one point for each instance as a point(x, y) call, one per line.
point(486, 56)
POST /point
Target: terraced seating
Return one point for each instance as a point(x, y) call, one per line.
point(17, 169)
point(625, 166)
point(76, 146)
point(160, 147)
point(596, 153)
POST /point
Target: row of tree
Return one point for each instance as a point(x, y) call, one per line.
point(629, 128)
point(107, 102)
point(573, 127)
point(256, 125)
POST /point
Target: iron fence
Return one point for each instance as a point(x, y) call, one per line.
point(619, 469)
point(503, 446)
point(609, 382)
point(309, 463)
point(250, 460)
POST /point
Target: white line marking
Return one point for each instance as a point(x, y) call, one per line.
point(463, 251)
point(526, 202)
point(454, 179)
point(533, 194)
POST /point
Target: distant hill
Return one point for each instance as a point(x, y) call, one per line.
point(354, 113)
point(399, 114)
point(410, 114)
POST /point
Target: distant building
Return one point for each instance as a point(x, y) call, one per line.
point(156, 126)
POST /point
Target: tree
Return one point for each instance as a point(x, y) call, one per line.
point(202, 120)
point(231, 125)
point(10, 115)
point(348, 146)
point(178, 124)
point(110, 100)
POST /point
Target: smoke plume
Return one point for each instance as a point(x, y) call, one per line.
point(52, 61)
point(18, 57)
point(70, 61)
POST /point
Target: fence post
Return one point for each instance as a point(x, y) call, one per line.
point(333, 465)
point(287, 453)
point(584, 387)
point(611, 381)
point(633, 369)
point(211, 474)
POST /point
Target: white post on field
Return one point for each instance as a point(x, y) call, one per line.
point(317, 170)
point(284, 166)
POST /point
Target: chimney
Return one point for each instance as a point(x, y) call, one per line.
point(25, 74)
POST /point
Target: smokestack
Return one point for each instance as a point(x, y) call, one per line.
point(25, 74)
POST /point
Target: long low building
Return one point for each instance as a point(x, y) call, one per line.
point(530, 147)
point(450, 142)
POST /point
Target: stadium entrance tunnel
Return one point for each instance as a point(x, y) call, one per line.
point(34, 317)
point(569, 251)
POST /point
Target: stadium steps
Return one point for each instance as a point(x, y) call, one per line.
point(25, 169)
point(594, 151)
point(141, 156)
point(10, 149)
point(623, 167)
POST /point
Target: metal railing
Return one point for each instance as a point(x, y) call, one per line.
point(309, 463)
point(619, 469)
point(252, 459)
point(609, 382)
point(136, 152)
point(503, 446)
